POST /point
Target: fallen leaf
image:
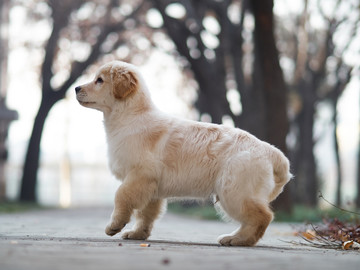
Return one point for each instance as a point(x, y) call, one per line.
point(309, 234)
point(347, 245)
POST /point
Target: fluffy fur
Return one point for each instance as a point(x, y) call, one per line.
point(157, 156)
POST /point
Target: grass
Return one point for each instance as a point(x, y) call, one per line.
point(15, 207)
point(207, 211)
point(302, 213)
point(299, 213)
point(199, 211)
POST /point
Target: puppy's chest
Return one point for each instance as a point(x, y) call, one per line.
point(122, 157)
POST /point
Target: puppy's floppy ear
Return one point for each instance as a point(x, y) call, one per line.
point(124, 82)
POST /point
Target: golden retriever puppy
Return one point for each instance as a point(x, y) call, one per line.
point(157, 156)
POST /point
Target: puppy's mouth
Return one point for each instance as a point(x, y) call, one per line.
point(85, 103)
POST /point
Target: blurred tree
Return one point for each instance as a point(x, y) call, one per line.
point(82, 32)
point(6, 115)
point(320, 75)
point(357, 201)
point(230, 48)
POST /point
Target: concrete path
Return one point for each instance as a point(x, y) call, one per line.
point(75, 239)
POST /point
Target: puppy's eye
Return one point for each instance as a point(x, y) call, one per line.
point(99, 80)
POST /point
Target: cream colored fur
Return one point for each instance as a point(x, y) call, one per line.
point(157, 156)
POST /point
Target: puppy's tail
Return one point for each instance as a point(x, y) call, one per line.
point(282, 175)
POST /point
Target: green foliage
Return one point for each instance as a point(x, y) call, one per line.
point(200, 211)
point(302, 213)
point(299, 213)
point(14, 207)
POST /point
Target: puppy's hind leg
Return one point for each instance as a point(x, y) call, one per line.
point(144, 220)
point(254, 217)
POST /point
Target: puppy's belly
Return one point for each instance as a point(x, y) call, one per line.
point(186, 187)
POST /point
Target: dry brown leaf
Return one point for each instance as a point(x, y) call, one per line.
point(309, 234)
point(347, 245)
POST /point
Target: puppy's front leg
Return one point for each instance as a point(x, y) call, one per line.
point(134, 193)
point(144, 220)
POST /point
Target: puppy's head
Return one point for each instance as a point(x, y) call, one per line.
point(114, 82)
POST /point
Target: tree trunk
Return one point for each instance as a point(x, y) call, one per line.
point(305, 170)
point(30, 171)
point(274, 87)
point(272, 83)
point(358, 174)
point(358, 179)
point(212, 94)
point(337, 157)
point(308, 159)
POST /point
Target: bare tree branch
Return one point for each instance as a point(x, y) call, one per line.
point(78, 68)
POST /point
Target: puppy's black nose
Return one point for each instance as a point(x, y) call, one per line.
point(77, 89)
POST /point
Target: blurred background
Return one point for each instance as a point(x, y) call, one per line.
point(286, 71)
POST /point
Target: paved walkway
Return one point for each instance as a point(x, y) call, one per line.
point(75, 239)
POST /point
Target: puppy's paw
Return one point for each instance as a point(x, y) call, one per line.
point(233, 240)
point(225, 240)
point(114, 228)
point(136, 235)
